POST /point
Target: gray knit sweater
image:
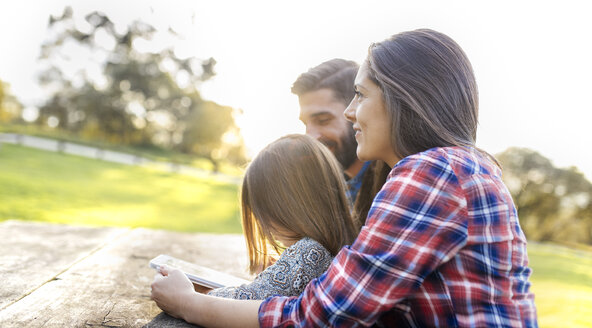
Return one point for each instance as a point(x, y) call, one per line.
point(300, 263)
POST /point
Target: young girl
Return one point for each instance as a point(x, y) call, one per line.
point(442, 245)
point(293, 195)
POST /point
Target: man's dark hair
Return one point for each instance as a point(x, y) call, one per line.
point(335, 74)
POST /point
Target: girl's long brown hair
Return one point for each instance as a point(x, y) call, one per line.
point(295, 185)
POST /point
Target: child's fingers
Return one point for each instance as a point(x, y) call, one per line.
point(155, 285)
point(164, 270)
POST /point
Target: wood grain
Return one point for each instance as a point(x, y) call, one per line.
point(110, 287)
point(33, 253)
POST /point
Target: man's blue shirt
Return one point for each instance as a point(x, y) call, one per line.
point(354, 184)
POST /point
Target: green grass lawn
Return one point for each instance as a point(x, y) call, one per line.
point(562, 284)
point(53, 187)
point(46, 186)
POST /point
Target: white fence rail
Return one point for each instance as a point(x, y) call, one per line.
point(107, 155)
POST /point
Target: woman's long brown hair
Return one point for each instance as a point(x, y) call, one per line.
point(429, 89)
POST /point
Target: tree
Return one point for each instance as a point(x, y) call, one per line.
point(553, 203)
point(10, 107)
point(139, 98)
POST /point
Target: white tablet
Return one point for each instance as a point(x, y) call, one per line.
point(198, 274)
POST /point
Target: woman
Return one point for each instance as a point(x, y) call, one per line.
point(442, 245)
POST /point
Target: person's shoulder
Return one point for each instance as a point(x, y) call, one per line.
point(436, 154)
point(307, 243)
point(438, 165)
point(309, 250)
point(463, 160)
point(429, 160)
point(470, 161)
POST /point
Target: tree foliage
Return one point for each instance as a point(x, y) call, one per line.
point(553, 203)
point(132, 97)
point(10, 108)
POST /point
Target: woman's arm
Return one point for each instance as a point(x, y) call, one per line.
point(174, 294)
point(222, 312)
point(417, 221)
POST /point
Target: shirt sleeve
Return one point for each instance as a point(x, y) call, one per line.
point(417, 221)
point(296, 267)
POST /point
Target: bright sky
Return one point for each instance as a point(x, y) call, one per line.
point(532, 59)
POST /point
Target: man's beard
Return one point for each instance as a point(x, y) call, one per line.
point(345, 152)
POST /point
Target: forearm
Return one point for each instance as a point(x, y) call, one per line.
point(210, 311)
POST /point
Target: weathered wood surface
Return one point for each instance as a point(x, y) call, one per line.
point(65, 276)
point(32, 254)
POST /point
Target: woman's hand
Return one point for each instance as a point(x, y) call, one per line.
point(172, 292)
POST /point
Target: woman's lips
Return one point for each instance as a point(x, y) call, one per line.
point(358, 131)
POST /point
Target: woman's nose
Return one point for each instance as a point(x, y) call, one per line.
point(350, 112)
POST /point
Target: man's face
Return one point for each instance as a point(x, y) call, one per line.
point(323, 116)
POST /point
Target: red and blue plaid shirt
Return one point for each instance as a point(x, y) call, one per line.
point(442, 247)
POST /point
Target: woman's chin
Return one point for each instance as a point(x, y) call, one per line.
point(361, 155)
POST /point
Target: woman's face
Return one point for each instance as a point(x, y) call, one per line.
point(367, 112)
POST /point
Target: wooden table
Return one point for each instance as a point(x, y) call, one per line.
point(68, 276)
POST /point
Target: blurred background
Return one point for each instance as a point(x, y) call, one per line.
point(144, 113)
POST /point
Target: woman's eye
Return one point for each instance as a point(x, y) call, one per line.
point(358, 93)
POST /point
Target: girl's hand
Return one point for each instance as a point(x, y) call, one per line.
point(172, 291)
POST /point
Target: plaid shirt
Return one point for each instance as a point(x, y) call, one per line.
point(442, 247)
